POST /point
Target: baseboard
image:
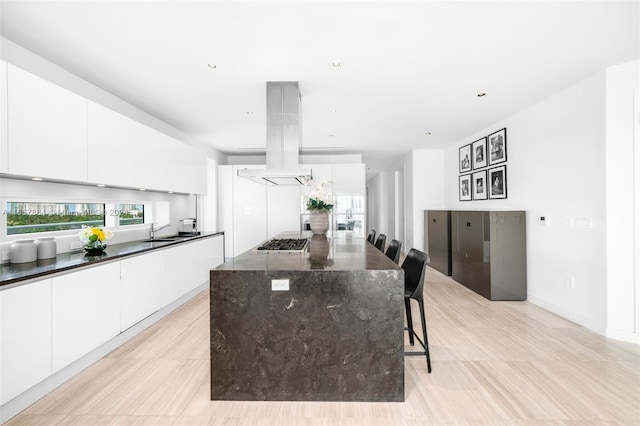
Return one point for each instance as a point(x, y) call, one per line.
point(624, 336)
point(568, 315)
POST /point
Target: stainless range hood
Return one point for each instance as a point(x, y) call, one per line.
point(284, 133)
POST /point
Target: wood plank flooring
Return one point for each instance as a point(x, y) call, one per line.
point(494, 363)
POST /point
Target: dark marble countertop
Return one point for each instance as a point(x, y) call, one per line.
point(14, 273)
point(339, 253)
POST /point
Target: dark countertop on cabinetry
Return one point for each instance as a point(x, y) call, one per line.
point(15, 273)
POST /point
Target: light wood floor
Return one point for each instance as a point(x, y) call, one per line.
point(494, 363)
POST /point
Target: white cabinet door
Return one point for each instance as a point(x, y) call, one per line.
point(111, 141)
point(140, 279)
point(25, 337)
point(283, 209)
point(47, 128)
point(153, 160)
point(249, 212)
point(187, 266)
point(85, 312)
point(4, 164)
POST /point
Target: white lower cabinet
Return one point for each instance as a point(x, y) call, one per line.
point(47, 325)
point(187, 266)
point(139, 288)
point(25, 338)
point(85, 312)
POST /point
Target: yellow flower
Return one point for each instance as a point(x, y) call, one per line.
point(98, 233)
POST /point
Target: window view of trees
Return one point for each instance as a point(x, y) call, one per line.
point(25, 218)
point(131, 214)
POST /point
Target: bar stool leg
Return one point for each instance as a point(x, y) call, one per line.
point(407, 308)
point(424, 333)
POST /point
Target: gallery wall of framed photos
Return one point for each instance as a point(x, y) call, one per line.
point(483, 168)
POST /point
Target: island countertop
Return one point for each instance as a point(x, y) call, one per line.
point(321, 253)
point(325, 324)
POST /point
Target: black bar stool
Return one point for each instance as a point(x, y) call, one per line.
point(380, 242)
point(372, 236)
point(393, 251)
point(414, 266)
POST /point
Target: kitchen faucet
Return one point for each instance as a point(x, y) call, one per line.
point(153, 230)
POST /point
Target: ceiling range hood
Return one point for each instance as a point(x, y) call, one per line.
point(284, 133)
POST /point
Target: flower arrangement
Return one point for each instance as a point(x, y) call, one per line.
point(318, 199)
point(94, 238)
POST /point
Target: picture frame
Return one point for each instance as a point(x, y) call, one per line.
point(479, 185)
point(497, 147)
point(497, 178)
point(479, 153)
point(464, 187)
point(464, 158)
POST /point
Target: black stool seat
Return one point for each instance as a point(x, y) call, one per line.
point(414, 266)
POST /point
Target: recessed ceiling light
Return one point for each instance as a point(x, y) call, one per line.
point(427, 133)
point(333, 111)
point(101, 185)
point(249, 112)
point(212, 65)
point(481, 94)
point(331, 135)
point(170, 192)
point(335, 64)
point(38, 179)
point(142, 189)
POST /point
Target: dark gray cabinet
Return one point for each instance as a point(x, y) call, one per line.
point(438, 226)
point(488, 253)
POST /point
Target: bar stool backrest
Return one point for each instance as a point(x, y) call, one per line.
point(372, 236)
point(393, 251)
point(414, 266)
point(380, 242)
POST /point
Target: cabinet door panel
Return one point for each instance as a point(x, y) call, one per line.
point(85, 312)
point(111, 141)
point(45, 122)
point(25, 337)
point(140, 279)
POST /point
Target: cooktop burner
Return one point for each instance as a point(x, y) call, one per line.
point(285, 244)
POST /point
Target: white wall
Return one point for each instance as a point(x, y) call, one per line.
point(423, 182)
point(621, 105)
point(556, 169)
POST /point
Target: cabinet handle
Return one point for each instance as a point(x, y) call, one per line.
point(469, 224)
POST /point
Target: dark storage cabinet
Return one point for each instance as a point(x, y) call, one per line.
point(438, 226)
point(488, 253)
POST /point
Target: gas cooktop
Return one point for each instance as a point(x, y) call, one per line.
point(284, 244)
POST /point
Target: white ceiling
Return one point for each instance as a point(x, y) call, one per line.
point(407, 68)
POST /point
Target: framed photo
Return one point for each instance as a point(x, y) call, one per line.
point(465, 188)
point(498, 147)
point(464, 158)
point(497, 182)
point(479, 153)
point(479, 185)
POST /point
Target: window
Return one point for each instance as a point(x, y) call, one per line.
point(25, 217)
point(130, 214)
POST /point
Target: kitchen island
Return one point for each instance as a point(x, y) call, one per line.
point(321, 324)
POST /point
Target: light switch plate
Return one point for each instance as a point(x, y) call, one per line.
point(279, 285)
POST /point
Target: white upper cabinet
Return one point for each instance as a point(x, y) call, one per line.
point(4, 164)
point(47, 131)
point(111, 138)
point(47, 128)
